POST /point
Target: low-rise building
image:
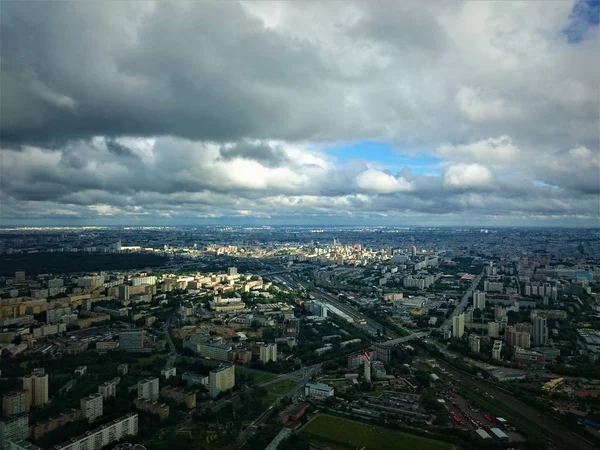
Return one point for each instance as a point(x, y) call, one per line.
point(159, 409)
point(108, 389)
point(180, 395)
point(168, 373)
point(42, 428)
point(318, 390)
point(529, 358)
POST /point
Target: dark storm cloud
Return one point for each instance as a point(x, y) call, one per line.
point(118, 149)
point(77, 70)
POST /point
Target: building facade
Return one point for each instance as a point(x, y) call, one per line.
point(36, 386)
point(104, 435)
point(148, 389)
point(14, 403)
point(318, 390)
point(131, 340)
point(458, 326)
point(221, 379)
point(14, 429)
point(92, 407)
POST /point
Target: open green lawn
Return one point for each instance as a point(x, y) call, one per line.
point(351, 434)
point(258, 375)
point(281, 387)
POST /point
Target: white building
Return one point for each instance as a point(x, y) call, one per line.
point(318, 390)
point(479, 300)
point(92, 407)
point(148, 389)
point(109, 388)
point(458, 325)
point(497, 350)
point(168, 373)
point(221, 379)
point(494, 329)
point(268, 352)
point(104, 435)
point(474, 342)
point(14, 429)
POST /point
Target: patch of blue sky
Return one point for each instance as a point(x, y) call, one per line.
point(584, 15)
point(383, 156)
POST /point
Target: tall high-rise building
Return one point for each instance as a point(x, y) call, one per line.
point(268, 352)
point(92, 407)
point(14, 403)
point(232, 271)
point(14, 429)
point(540, 331)
point(221, 379)
point(148, 389)
point(36, 386)
point(479, 300)
point(518, 338)
point(474, 342)
point(494, 329)
point(413, 251)
point(367, 368)
point(497, 350)
point(123, 292)
point(382, 353)
point(458, 325)
point(131, 340)
point(19, 277)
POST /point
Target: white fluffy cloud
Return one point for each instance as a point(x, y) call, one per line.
point(378, 182)
point(468, 176)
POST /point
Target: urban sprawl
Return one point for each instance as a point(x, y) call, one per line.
point(299, 337)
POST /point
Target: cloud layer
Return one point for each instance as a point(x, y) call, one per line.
point(174, 111)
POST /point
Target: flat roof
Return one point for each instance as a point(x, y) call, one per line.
point(482, 433)
point(499, 433)
point(319, 386)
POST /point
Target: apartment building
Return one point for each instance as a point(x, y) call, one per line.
point(221, 379)
point(14, 403)
point(148, 389)
point(92, 407)
point(36, 386)
point(103, 435)
point(180, 395)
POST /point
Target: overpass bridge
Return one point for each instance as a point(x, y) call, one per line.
point(403, 339)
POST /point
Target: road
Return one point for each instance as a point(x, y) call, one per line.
point(305, 375)
point(410, 337)
point(463, 303)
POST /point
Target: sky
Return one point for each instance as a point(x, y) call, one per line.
point(383, 112)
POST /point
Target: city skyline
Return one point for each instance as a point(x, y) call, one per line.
point(464, 114)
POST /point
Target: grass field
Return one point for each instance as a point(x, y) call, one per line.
point(258, 376)
point(281, 387)
point(351, 434)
